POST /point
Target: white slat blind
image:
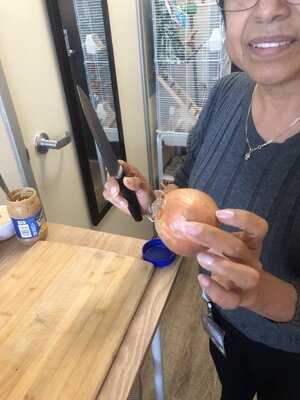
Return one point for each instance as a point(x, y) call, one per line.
point(190, 57)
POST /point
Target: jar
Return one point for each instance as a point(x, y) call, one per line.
point(27, 214)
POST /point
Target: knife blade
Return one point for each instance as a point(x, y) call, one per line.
point(108, 155)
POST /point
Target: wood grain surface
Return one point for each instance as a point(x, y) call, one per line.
point(188, 367)
point(127, 363)
point(64, 311)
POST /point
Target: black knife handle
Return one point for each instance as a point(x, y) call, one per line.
point(130, 196)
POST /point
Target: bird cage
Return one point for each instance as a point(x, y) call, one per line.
point(91, 28)
point(190, 57)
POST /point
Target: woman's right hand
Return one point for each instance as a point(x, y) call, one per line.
point(134, 181)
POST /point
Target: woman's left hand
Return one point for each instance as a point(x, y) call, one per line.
point(232, 258)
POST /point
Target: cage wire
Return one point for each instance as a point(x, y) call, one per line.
point(92, 34)
point(190, 57)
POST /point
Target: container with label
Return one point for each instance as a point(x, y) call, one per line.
point(27, 214)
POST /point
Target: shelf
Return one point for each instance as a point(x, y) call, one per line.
point(174, 138)
point(168, 139)
point(169, 171)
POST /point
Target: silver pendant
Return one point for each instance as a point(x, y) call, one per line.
point(248, 155)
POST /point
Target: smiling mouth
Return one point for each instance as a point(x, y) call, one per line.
point(268, 45)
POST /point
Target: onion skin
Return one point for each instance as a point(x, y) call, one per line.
point(177, 207)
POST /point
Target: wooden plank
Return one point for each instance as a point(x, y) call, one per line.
point(64, 320)
point(189, 371)
point(11, 250)
point(136, 342)
point(181, 98)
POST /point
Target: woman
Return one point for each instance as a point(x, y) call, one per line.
point(245, 153)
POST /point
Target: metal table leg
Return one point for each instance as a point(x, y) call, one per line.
point(160, 163)
point(158, 365)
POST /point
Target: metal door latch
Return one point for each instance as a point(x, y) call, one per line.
point(69, 50)
point(43, 144)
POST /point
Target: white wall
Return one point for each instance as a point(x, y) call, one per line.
point(124, 30)
point(31, 69)
point(123, 21)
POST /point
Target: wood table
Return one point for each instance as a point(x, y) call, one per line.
point(131, 354)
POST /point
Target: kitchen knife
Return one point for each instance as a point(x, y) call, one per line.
point(108, 155)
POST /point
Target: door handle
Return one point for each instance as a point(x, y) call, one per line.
point(43, 144)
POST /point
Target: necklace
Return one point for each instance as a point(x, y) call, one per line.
point(260, 146)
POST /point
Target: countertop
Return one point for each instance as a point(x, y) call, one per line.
point(137, 340)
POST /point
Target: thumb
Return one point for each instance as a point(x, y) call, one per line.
point(129, 182)
point(134, 183)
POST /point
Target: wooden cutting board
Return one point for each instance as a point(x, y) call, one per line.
point(64, 311)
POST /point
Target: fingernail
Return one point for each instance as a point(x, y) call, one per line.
point(205, 259)
point(127, 180)
point(225, 214)
point(203, 281)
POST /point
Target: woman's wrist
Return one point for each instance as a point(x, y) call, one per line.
point(273, 298)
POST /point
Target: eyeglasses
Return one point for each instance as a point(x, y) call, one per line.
point(243, 5)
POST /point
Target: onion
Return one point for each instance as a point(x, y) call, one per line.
point(171, 210)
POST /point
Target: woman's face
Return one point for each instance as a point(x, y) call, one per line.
point(265, 41)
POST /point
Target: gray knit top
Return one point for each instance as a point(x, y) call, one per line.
point(268, 184)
